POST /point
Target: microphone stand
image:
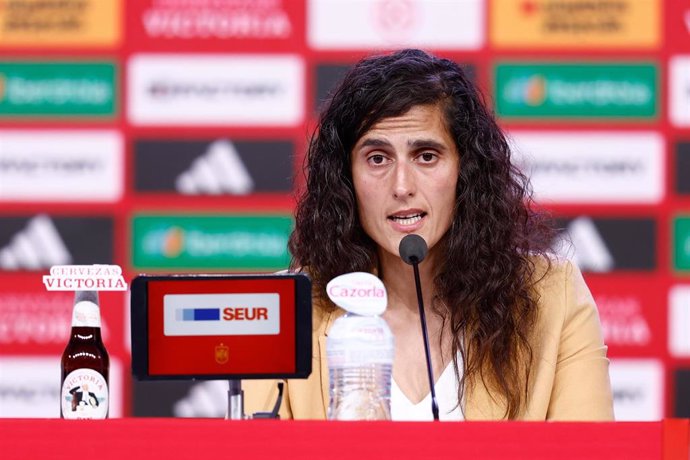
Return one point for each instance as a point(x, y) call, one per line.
point(425, 334)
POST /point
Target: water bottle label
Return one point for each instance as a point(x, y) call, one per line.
point(359, 356)
point(86, 314)
point(359, 292)
point(84, 395)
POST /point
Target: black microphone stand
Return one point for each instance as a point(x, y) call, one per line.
point(425, 334)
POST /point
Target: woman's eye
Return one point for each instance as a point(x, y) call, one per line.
point(376, 159)
point(427, 157)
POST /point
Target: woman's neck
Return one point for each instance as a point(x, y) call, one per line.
point(398, 277)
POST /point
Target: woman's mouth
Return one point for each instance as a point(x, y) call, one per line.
point(407, 219)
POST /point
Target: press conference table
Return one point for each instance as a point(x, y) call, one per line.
point(207, 439)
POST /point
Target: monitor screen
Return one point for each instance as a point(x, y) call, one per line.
point(221, 326)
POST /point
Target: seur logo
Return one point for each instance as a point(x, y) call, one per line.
point(221, 314)
point(224, 314)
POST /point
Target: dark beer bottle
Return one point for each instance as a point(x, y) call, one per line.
point(85, 363)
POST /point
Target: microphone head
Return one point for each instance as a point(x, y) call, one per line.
point(412, 249)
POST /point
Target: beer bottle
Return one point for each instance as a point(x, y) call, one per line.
point(85, 363)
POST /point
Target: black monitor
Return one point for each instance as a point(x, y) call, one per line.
point(213, 327)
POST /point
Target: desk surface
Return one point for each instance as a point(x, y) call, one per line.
point(210, 439)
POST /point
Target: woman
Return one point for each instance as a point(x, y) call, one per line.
point(406, 145)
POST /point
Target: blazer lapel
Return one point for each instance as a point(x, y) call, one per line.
point(325, 396)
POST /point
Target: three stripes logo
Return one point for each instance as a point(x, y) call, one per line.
point(586, 247)
point(36, 246)
point(602, 245)
point(214, 167)
point(219, 170)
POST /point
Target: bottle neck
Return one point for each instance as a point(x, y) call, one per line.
point(86, 315)
point(86, 333)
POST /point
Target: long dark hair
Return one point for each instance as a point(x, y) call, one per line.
point(484, 286)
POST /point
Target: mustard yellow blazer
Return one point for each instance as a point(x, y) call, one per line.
point(569, 378)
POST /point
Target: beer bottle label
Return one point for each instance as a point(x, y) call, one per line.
point(86, 314)
point(84, 395)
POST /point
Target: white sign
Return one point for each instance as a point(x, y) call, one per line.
point(679, 321)
point(85, 278)
point(592, 167)
point(214, 89)
point(348, 24)
point(638, 389)
point(221, 314)
point(80, 166)
point(679, 91)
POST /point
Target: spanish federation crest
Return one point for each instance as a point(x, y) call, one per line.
point(222, 353)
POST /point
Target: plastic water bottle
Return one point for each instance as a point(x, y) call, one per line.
point(360, 351)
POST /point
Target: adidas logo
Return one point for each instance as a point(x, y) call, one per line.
point(585, 246)
point(35, 247)
point(218, 171)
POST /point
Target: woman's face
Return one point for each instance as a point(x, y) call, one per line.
point(405, 170)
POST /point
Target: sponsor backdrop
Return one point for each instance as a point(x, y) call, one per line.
point(168, 136)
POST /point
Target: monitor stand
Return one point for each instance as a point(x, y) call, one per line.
point(235, 401)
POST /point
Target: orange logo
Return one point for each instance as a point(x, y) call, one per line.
point(222, 353)
point(173, 243)
point(535, 93)
point(575, 24)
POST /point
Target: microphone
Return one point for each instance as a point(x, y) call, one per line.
point(412, 250)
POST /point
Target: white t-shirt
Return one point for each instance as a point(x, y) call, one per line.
point(446, 396)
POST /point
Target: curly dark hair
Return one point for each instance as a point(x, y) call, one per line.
point(484, 285)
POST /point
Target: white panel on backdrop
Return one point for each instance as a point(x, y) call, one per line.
point(638, 389)
point(30, 387)
point(679, 321)
point(592, 167)
point(61, 165)
point(347, 24)
point(679, 90)
point(215, 89)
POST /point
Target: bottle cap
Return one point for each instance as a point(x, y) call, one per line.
point(358, 292)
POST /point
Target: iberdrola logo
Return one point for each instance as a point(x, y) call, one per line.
point(168, 242)
point(173, 242)
point(528, 90)
point(535, 91)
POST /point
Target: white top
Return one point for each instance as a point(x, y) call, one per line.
point(446, 396)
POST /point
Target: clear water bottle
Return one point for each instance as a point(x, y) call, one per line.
point(360, 352)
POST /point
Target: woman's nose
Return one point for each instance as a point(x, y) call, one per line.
point(404, 180)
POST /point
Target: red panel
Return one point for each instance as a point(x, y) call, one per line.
point(275, 26)
point(265, 439)
point(678, 25)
